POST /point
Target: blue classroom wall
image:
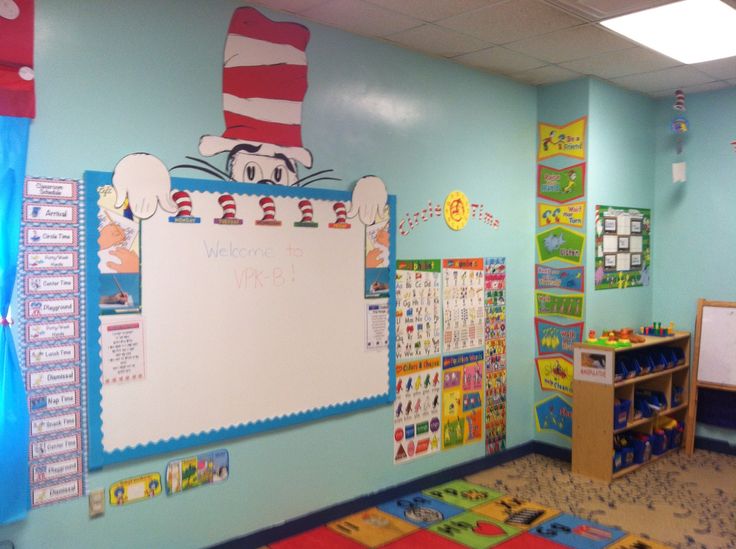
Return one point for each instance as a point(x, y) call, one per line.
point(695, 228)
point(620, 173)
point(115, 78)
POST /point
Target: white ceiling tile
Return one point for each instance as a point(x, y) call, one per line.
point(720, 68)
point(360, 17)
point(548, 74)
point(710, 86)
point(293, 6)
point(432, 10)
point(437, 40)
point(676, 77)
point(510, 21)
point(499, 59)
point(571, 43)
point(622, 63)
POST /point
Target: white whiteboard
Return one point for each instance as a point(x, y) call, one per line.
point(717, 357)
point(245, 327)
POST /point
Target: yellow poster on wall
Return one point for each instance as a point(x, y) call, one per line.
point(565, 140)
point(572, 215)
point(462, 399)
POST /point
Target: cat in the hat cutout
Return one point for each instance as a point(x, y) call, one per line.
point(263, 87)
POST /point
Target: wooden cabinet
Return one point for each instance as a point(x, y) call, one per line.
point(596, 390)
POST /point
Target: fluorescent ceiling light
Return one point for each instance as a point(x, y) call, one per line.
point(691, 31)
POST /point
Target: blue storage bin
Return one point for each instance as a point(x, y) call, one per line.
point(620, 370)
point(658, 361)
point(678, 394)
point(642, 448)
point(659, 442)
point(675, 436)
point(680, 355)
point(621, 413)
point(627, 457)
point(633, 364)
point(646, 363)
point(617, 460)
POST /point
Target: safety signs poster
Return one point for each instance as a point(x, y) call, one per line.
point(417, 409)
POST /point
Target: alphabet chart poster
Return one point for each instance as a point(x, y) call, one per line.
point(417, 409)
point(462, 399)
point(237, 316)
point(51, 351)
point(463, 305)
point(418, 308)
point(622, 247)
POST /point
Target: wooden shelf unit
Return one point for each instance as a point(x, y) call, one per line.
point(594, 394)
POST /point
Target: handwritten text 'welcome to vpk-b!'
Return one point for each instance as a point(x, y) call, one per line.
point(257, 276)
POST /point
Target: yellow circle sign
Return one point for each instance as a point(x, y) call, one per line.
point(457, 210)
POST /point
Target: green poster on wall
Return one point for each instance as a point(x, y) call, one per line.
point(561, 185)
point(567, 305)
point(622, 247)
point(560, 243)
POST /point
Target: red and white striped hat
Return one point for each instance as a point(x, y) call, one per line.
point(264, 82)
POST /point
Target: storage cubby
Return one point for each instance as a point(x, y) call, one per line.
point(628, 396)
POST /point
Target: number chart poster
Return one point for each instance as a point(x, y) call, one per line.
point(463, 304)
point(51, 355)
point(622, 247)
point(462, 399)
point(418, 308)
point(495, 354)
point(417, 409)
point(229, 299)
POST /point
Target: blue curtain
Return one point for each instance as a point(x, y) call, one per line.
point(14, 486)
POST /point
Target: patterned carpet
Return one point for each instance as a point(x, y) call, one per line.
point(684, 502)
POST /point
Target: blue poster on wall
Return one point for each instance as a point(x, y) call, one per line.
point(554, 414)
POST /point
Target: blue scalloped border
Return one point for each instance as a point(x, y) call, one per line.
point(98, 457)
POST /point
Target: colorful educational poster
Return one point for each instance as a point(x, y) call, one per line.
point(136, 489)
point(462, 399)
point(561, 185)
point(554, 414)
point(495, 354)
point(463, 304)
point(566, 140)
point(622, 247)
point(553, 338)
point(569, 278)
point(571, 531)
point(516, 512)
point(565, 305)
point(555, 374)
point(51, 354)
point(561, 244)
point(418, 308)
point(417, 409)
point(191, 472)
point(572, 215)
